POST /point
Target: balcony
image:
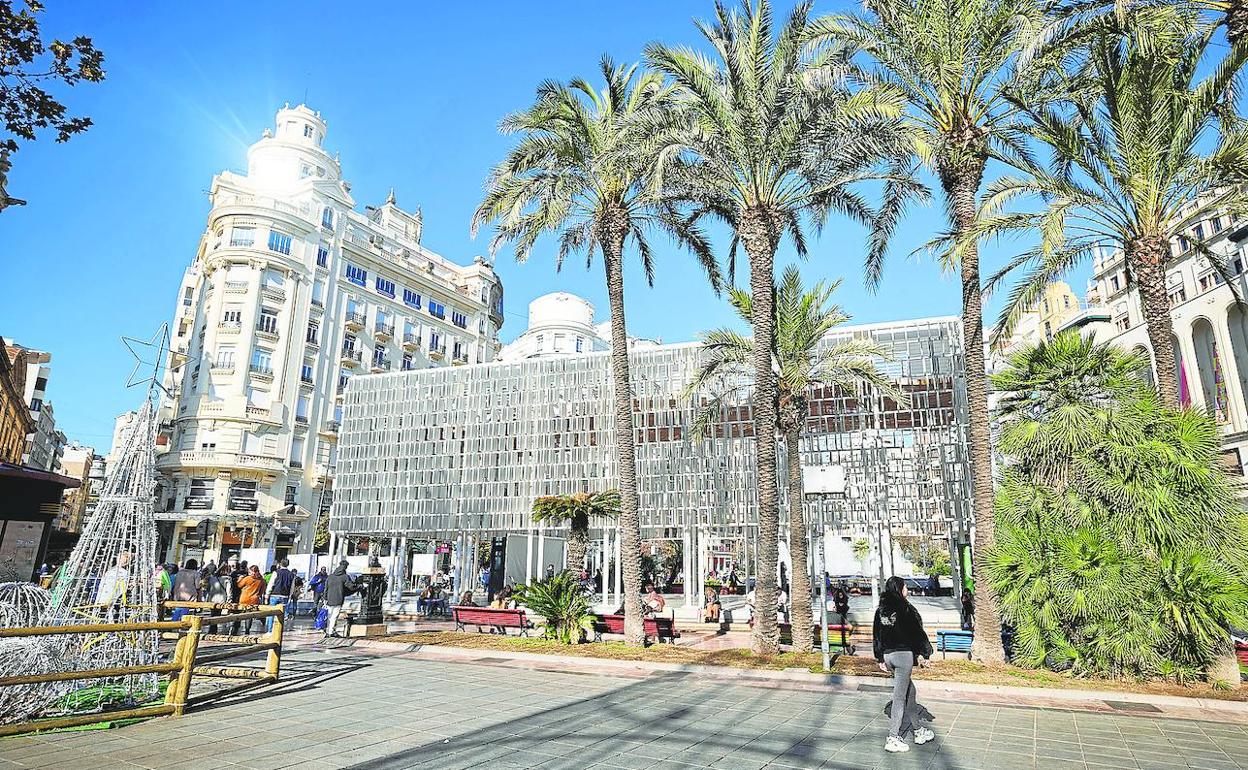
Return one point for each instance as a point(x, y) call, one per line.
point(411, 342)
point(301, 419)
point(262, 413)
point(305, 379)
point(383, 332)
point(223, 367)
point(354, 321)
point(459, 359)
point(437, 353)
point(266, 328)
point(312, 341)
point(229, 327)
point(352, 357)
point(236, 287)
point(274, 292)
point(380, 365)
point(207, 458)
point(261, 371)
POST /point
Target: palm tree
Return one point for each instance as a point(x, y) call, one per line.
point(803, 318)
point(770, 140)
point(1074, 18)
point(578, 172)
point(1126, 163)
point(952, 59)
point(576, 510)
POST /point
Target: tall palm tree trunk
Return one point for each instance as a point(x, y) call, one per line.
point(1147, 260)
point(799, 550)
point(612, 243)
point(961, 180)
point(759, 234)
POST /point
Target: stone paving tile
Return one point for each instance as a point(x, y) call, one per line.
point(392, 713)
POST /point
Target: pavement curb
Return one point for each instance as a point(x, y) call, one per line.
point(1138, 704)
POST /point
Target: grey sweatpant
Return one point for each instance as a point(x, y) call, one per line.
point(901, 721)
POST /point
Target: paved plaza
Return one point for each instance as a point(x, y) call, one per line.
point(338, 709)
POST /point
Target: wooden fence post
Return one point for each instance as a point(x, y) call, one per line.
point(190, 646)
point(274, 664)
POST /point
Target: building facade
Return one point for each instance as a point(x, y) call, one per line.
point(76, 463)
point(44, 444)
point(1210, 326)
point(15, 420)
point(454, 454)
point(292, 294)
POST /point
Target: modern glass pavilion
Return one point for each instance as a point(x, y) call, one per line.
point(462, 452)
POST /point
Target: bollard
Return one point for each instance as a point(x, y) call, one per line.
point(274, 664)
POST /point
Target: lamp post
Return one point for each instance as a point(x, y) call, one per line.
point(823, 480)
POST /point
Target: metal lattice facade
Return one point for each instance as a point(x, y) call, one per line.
point(467, 449)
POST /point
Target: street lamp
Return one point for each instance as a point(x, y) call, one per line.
point(823, 480)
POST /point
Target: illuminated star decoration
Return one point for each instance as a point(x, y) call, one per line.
point(156, 349)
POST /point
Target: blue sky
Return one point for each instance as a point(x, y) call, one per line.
point(413, 93)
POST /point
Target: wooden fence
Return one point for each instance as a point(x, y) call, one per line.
point(189, 660)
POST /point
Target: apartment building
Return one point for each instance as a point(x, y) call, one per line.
point(1210, 326)
point(291, 293)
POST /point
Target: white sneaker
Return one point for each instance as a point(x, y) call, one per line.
point(895, 745)
point(923, 735)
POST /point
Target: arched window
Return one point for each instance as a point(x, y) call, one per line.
point(327, 218)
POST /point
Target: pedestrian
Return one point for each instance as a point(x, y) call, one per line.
point(268, 576)
point(782, 604)
point(466, 600)
point(296, 594)
point(900, 644)
point(338, 586)
point(317, 584)
point(250, 592)
point(111, 594)
point(968, 610)
point(215, 588)
point(280, 587)
point(550, 571)
point(238, 571)
point(186, 582)
point(840, 603)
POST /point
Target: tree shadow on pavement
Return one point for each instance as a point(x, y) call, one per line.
point(677, 718)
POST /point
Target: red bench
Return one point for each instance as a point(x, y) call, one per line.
point(495, 619)
point(656, 627)
point(1241, 652)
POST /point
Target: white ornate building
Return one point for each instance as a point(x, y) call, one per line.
point(291, 293)
point(1210, 327)
point(561, 324)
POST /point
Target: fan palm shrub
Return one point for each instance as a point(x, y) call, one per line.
point(577, 174)
point(563, 603)
point(577, 510)
point(953, 62)
point(1122, 548)
point(769, 136)
point(804, 316)
point(1148, 133)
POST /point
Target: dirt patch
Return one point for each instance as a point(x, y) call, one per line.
point(740, 657)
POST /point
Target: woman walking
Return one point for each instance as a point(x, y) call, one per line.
point(900, 644)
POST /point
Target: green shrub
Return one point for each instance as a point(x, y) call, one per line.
point(1122, 548)
point(565, 605)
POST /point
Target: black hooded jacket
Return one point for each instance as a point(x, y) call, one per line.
point(338, 586)
point(898, 626)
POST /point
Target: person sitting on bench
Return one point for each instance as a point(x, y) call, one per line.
point(713, 607)
point(654, 603)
